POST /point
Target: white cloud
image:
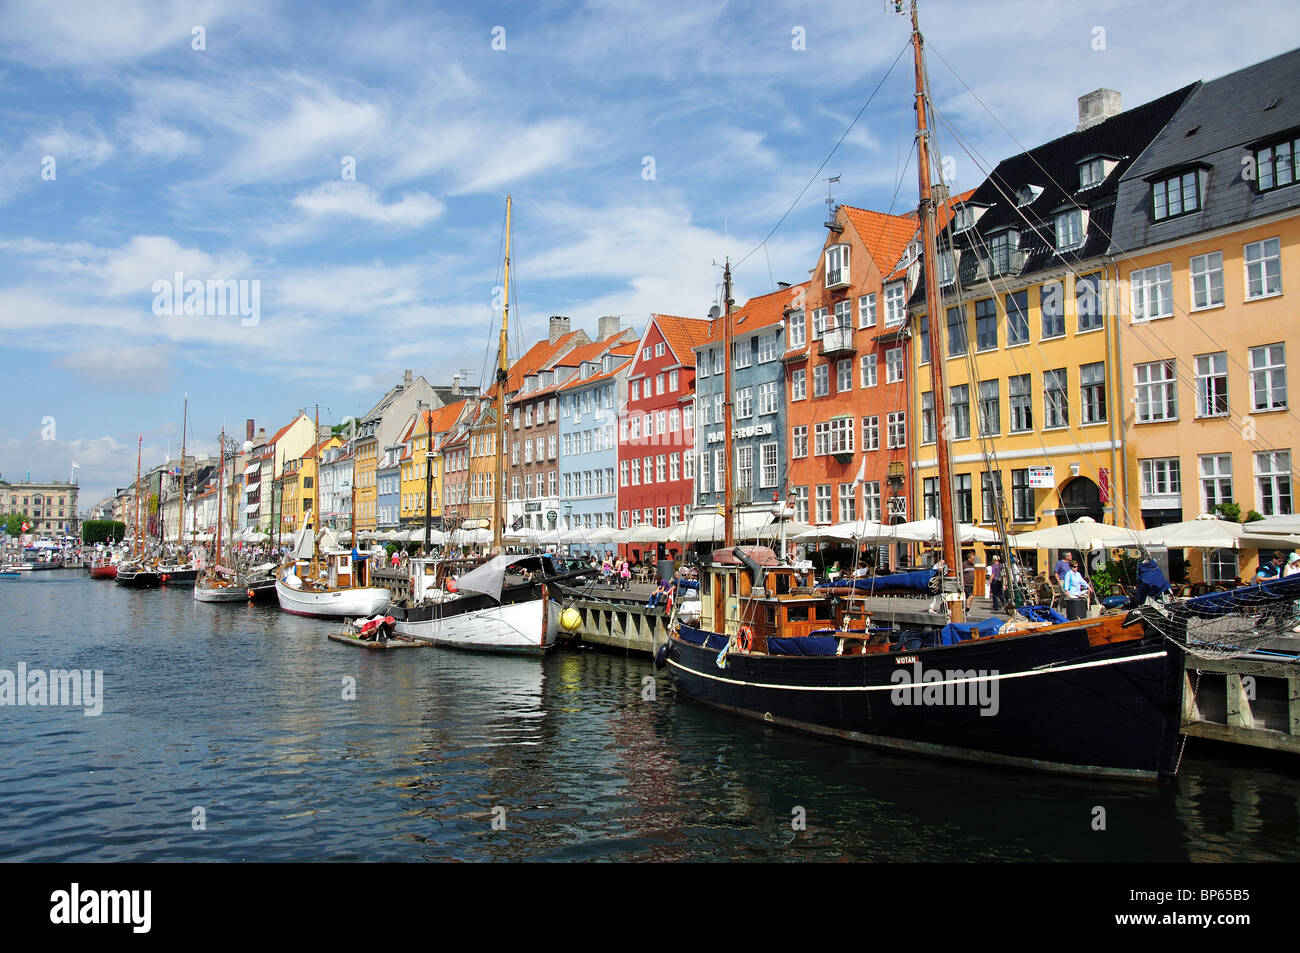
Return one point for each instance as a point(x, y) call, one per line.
point(357, 200)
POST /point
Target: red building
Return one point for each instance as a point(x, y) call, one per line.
point(656, 435)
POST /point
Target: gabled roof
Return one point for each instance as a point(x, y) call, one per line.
point(576, 381)
point(757, 314)
point(885, 235)
point(437, 421)
point(595, 350)
point(540, 356)
point(285, 429)
point(680, 334)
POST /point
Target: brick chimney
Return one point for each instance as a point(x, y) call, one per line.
point(455, 384)
point(248, 429)
point(607, 327)
point(1098, 106)
point(559, 327)
point(406, 377)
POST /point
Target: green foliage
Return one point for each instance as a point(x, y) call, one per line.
point(1254, 515)
point(1228, 511)
point(13, 523)
point(1122, 570)
point(99, 531)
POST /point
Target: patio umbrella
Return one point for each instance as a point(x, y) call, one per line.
point(648, 533)
point(1209, 532)
point(847, 532)
point(604, 534)
point(930, 531)
point(1289, 525)
point(1083, 533)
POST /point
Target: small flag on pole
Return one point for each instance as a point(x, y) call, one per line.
point(862, 473)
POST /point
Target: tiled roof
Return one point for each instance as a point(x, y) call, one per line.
point(885, 235)
point(577, 381)
point(682, 334)
point(285, 429)
point(593, 351)
point(538, 357)
point(759, 312)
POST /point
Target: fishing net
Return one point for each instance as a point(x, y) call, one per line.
point(1222, 625)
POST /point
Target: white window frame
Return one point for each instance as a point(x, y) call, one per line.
point(1205, 276)
point(1262, 262)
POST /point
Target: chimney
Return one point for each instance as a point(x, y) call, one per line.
point(248, 429)
point(1098, 106)
point(455, 385)
point(782, 285)
point(939, 192)
point(406, 377)
point(607, 327)
point(261, 435)
point(559, 327)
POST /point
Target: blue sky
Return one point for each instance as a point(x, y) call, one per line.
point(226, 163)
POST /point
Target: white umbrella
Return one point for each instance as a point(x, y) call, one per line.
point(848, 531)
point(648, 533)
point(931, 531)
point(525, 534)
point(1208, 532)
point(604, 534)
point(1275, 524)
point(1083, 533)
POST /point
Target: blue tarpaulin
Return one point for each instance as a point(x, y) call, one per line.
point(955, 632)
point(917, 581)
point(804, 645)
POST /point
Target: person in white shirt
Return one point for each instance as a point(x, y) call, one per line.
point(1074, 583)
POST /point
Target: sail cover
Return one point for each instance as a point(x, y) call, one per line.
point(488, 578)
point(302, 544)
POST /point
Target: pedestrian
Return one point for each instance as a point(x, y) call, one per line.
point(968, 579)
point(1063, 566)
point(1270, 569)
point(995, 583)
point(625, 575)
point(607, 569)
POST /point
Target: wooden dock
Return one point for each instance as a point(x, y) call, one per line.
point(1243, 701)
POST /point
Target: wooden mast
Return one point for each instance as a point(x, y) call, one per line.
point(139, 538)
point(221, 474)
point(728, 531)
point(929, 244)
point(180, 519)
point(498, 509)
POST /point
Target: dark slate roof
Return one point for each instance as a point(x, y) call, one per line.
point(1053, 167)
point(1216, 126)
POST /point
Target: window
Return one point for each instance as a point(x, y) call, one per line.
point(961, 488)
point(636, 390)
point(1091, 173)
point(688, 417)
point(990, 416)
point(833, 436)
point(819, 323)
point(745, 402)
point(1069, 229)
point(894, 365)
point(798, 384)
point(767, 345)
point(1212, 385)
point(986, 325)
point(929, 498)
point(528, 416)
point(959, 410)
point(648, 469)
point(1268, 377)
point(1056, 402)
point(550, 446)
point(1152, 292)
point(1275, 164)
point(799, 442)
point(646, 352)
point(1017, 306)
point(1089, 304)
point(1160, 477)
point(821, 380)
point(990, 496)
point(927, 417)
point(744, 467)
point(843, 375)
point(963, 217)
point(636, 472)
point(947, 267)
point(1001, 251)
point(823, 503)
point(837, 266)
point(1216, 480)
point(661, 468)
point(842, 319)
point(672, 382)
point(766, 398)
point(847, 499)
point(1177, 195)
point(798, 329)
point(1022, 497)
point(867, 311)
point(675, 419)
point(871, 500)
point(1263, 268)
point(800, 495)
point(957, 331)
point(718, 413)
point(659, 349)
point(871, 433)
point(767, 454)
point(895, 304)
point(1207, 280)
point(742, 354)
point(867, 369)
point(704, 472)
point(659, 383)
point(897, 430)
point(1051, 304)
point(1092, 393)
point(1154, 391)
point(923, 343)
point(719, 471)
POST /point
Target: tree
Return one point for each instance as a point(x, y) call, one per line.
point(13, 523)
point(98, 531)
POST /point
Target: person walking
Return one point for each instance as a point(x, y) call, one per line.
point(995, 583)
point(625, 575)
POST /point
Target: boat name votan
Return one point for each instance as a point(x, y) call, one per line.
point(241, 297)
point(72, 687)
point(932, 686)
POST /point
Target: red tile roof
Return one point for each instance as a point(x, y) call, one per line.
point(682, 335)
point(285, 429)
point(759, 312)
point(536, 358)
point(576, 380)
point(886, 236)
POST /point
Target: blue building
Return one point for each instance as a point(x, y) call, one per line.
point(388, 488)
point(758, 412)
point(589, 403)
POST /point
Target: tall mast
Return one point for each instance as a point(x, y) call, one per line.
point(728, 532)
point(180, 519)
point(929, 244)
point(139, 536)
point(498, 510)
point(221, 473)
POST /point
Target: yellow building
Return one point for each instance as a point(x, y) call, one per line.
point(423, 439)
point(364, 467)
point(1207, 242)
point(1027, 336)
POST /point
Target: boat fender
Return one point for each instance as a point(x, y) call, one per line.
point(661, 655)
point(250, 593)
point(164, 578)
point(745, 639)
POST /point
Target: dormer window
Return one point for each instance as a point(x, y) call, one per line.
point(1027, 194)
point(1176, 195)
point(1091, 173)
point(947, 267)
point(963, 218)
point(1002, 247)
point(1071, 227)
point(1275, 164)
point(837, 266)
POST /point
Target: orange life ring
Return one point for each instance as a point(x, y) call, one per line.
point(745, 639)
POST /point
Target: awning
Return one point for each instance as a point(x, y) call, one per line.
point(252, 468)
point(251, 508)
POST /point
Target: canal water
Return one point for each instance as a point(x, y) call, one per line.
point(239, 733)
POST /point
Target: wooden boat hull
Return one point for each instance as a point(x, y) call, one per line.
point(138, 578)
point(177, 575)
point(103, 572)
point(520, 628)
point(221, 594)
point(398, 642)
point(331, 603)
point(1056, 701)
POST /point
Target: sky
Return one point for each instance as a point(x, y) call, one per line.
point(344, 167)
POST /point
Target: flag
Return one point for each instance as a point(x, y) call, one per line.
point(862, 473)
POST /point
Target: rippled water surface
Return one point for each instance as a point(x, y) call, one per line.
point(240, 711)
